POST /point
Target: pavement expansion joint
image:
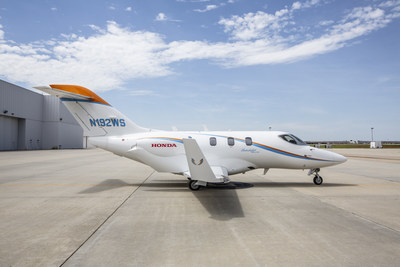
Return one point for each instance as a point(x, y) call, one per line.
point(375, 223)
point(119, 206)
point(357, 215)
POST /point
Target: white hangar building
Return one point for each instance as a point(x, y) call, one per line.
point(30, 120)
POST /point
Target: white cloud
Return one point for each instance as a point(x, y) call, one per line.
point(296, 5)
point(111, 7)
point(102, 61)
point(70, 36)
point(1, 32)
point(113, 55)
point(96, 28)
point(128, 8)
point(391, 3)
point(255, 25)
point(53, 9)
point(207, 8)
point(326, 22)
point(306, 4)
point(161, 17)
point(261, 24)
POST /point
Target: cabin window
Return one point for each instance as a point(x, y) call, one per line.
point(231, 141)
point(213, 141)
point(249, 142)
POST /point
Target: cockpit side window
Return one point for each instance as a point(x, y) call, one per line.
point(299, 141)
point(292, 139)
point(288, 138)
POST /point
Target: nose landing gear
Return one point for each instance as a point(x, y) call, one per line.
point(317, 178)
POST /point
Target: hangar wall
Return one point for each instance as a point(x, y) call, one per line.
point(30, 120)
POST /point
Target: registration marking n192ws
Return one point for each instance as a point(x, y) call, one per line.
point(107, 122)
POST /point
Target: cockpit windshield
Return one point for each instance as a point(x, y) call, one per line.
point(292, 139)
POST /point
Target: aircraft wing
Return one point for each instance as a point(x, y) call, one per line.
point(61, 93)
point(198, 166)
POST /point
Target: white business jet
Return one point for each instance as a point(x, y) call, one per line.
point(202, 157)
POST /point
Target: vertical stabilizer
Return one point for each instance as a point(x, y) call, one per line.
point(95, 115)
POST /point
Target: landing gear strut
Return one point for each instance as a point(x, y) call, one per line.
point(317, 179)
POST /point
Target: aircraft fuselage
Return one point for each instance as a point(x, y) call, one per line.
point(237, 151)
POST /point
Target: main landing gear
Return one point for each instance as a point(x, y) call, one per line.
point(192, 185)
point(317, 179)
point(195, 185)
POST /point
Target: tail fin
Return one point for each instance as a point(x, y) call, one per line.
point(96, 116)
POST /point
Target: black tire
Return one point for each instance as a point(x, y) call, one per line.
point(192, 185)
point(318, 180)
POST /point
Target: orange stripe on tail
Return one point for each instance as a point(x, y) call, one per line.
point(76, 89)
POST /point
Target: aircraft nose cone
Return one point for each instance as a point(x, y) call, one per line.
point(335, 157)
point(332, 157)
point(339, 158)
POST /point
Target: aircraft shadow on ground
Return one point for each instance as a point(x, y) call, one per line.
point(221, 204)
point(110, 184)
point(297, 184)
point(220, 200)
point(177, 185)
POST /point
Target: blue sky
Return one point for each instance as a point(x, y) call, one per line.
point(321, 69)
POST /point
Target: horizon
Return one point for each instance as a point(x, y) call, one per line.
point(320, 69)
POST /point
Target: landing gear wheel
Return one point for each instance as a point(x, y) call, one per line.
point(193, 186)
point(318, 180)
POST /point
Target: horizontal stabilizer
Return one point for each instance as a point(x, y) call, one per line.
point(72, 92)
point(61, 94)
